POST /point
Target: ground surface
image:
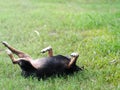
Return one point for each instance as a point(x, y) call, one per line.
point(89, 27)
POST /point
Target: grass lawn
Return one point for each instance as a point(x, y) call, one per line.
point(89, 27)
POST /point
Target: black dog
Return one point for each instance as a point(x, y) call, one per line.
point(43, 67)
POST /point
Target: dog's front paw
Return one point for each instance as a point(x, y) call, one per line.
point(46, 49)
point(74, 54)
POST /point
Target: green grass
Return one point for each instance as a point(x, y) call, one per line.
point(90, 27)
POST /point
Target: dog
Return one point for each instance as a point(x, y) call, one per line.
point(43, 67)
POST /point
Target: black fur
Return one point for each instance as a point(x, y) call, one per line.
point(51, 66)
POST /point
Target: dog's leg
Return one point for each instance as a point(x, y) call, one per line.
point(20, 54)
point(14, 61)
point(74, 57)
point(49, 49)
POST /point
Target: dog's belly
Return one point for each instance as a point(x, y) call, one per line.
point(48, 66)
point(51, 65)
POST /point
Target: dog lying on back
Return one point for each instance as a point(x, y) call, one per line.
point(43, 67)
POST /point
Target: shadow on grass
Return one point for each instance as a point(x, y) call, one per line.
point(81, 75)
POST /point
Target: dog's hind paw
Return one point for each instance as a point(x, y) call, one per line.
point(5, 43)
point(8, 52)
